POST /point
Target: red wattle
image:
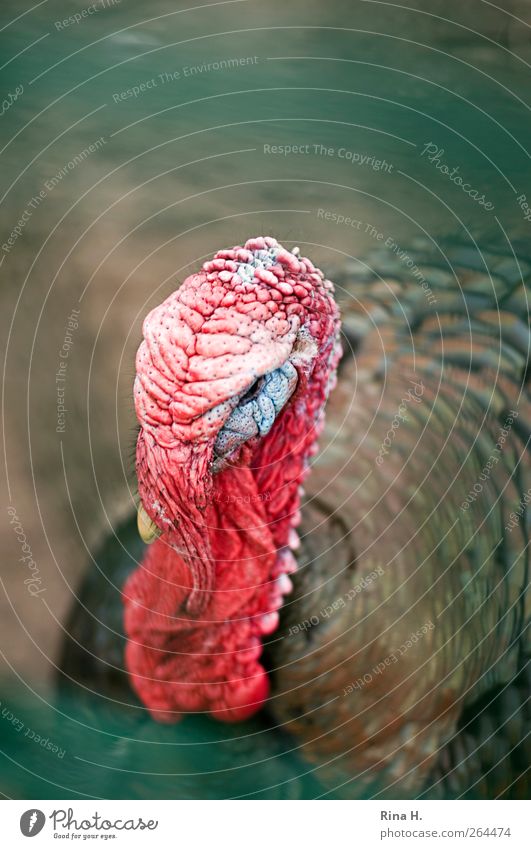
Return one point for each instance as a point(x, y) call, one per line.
point(249, 698)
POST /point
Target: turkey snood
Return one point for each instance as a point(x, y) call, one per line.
point(231, 381)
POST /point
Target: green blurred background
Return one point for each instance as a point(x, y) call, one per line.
point(181, 168)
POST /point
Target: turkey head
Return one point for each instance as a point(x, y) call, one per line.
point(231, 380)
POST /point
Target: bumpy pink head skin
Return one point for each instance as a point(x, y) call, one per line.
point(209, 588)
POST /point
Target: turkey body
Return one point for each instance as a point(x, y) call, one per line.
point(399, 668)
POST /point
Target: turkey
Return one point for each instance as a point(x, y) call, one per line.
point(336, 604)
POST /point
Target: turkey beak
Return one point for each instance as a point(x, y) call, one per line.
point(146, 527)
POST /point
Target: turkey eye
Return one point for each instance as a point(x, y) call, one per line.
point(252, 392)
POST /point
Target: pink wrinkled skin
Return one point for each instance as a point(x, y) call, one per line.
point(208, 342)
point(209, 589)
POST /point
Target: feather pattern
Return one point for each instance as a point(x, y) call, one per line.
point(425, 457)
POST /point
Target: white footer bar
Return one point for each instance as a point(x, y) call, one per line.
point(264, 824)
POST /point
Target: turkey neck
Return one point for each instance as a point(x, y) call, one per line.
point(181, 660)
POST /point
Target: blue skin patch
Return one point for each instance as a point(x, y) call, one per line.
point(261, 259)
point(256, 411)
